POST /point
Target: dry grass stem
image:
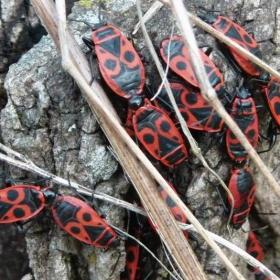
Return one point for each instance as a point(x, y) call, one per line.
point(150, 13)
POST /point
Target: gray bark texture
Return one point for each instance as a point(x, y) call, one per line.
point(45, 117)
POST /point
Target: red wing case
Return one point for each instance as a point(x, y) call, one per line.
point(158, 134)
point(82, 222)
point(19, 203)
point(119, 63)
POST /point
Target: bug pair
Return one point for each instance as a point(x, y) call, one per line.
point(23, 202)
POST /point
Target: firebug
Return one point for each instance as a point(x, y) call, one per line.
point(174, 51)
point(197, 112)
point(119, 63)
point(238, 34)
point(159, 135)
point(243, 189)
point(244, 113)
point(255, 249)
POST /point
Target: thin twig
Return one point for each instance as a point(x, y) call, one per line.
point(153, 10)
point(63, 182)
point(169, 260)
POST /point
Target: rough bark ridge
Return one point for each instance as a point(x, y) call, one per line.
point(47, 119)
point(20, 29)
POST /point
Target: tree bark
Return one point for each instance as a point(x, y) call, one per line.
point(47, 119)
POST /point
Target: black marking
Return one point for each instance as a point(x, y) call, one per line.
point(104, 241)
point(112, 46)
point(277, 108)
point(66, 212)
point(75, 230)
point(179, 217)
point(247, 39)
point(181, 65)
point(175, 48)
point(95, 232)
point(190, 98)
point(110, 64)
point(129, 56)
point(12, 195)
point(251, 134)
point(170, 203)
point(107, 32)
point(18, 213)
point(223, 23)
point(149, 138)
point(254, 254)
point(175, 157)
point(245, 181)
point(4, 209)
point(214, 79)
point(165, 126)
point(130, 257)
point(128, 79)
point(87, 217)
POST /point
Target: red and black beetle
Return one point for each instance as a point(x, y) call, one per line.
point(176, 55)
point(119, 63)
point(132, 249)
point(271, 95)
point(237, 34)
point(197, 112)
point(81, 221)
point(23, 202)
point(244, 113)
point(159, 135)
point(255, 249)
point(243, 189)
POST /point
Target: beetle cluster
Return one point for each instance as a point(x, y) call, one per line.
point(153, 125)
